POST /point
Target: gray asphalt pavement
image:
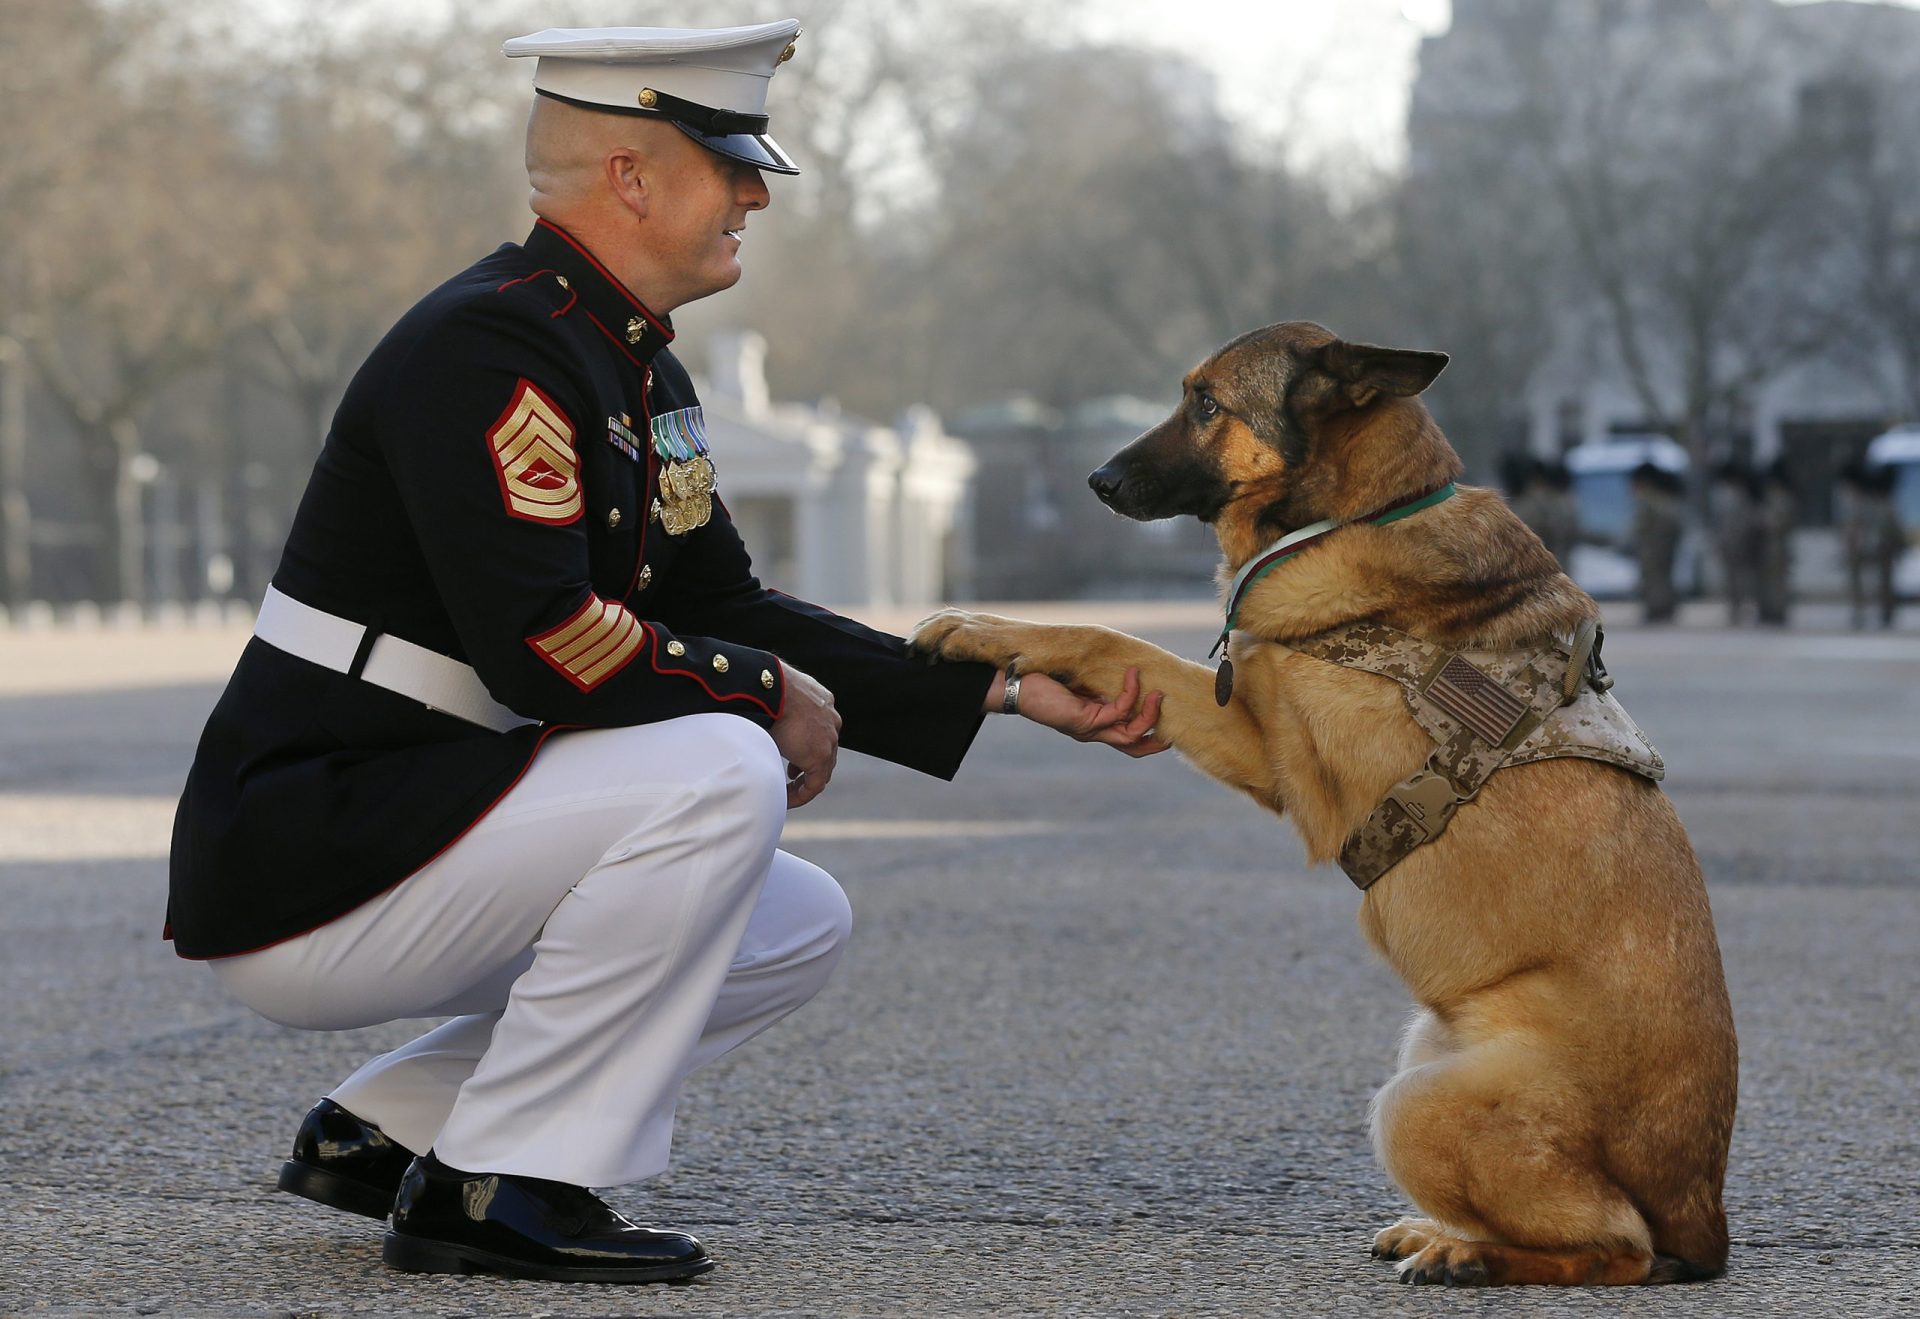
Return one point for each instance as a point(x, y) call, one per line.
point(1102, 1044)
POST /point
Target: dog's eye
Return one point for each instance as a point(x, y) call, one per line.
point(1209, 406)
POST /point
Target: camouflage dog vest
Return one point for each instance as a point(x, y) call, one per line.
point(1485, 710)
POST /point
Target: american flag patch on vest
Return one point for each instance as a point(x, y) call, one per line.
point(1476, 700)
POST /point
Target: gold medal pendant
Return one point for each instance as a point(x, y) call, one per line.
point(675, 517)
point(697, 477)
point(679, 516)
point(686, 496)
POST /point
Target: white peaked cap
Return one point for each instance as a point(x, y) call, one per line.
point(711, 83)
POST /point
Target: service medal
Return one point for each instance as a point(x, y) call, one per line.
point(687, 478)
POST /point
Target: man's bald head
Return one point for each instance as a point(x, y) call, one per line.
point(567, 150)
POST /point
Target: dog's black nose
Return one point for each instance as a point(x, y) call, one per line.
point(1106, 483)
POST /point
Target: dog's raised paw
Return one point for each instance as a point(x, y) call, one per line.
point(957, 634)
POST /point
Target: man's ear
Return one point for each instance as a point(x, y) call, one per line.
point(626, 176)
point(1364, 372)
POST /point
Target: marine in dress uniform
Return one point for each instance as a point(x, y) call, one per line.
point(500, 748)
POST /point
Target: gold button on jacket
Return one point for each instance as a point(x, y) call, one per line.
point(646, 576)
point(719, 663)
point(675, 648)
point(766, 678)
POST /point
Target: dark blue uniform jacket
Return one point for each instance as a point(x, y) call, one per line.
point(488, 491)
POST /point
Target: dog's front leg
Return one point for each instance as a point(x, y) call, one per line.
point(1222, 741)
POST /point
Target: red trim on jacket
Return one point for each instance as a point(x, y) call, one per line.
point(573, 294)
point(654, 659)
point(526, 278)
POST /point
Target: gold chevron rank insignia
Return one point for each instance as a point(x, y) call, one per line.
point(534, 457)
point(593, 645)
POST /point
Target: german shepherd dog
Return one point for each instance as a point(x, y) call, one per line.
point(1565, 1091)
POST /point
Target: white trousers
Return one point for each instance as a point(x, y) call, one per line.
point(618, 919)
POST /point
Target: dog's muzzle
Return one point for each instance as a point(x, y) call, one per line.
point(1106, 483)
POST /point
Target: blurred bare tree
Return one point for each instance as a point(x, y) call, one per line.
point(40, 98)
point(1671, 171)
point(1867, 133)
point(372, 175)
point(133, 275)
point(1086, 226)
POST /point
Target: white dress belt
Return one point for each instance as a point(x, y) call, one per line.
point(435, 680)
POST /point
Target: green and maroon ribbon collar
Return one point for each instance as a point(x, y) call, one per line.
point(1297, 542)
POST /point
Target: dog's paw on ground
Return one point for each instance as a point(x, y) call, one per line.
point(1407, 1237)
point(1446, 1262)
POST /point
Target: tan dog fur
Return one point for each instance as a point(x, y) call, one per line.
point(1566, 1087)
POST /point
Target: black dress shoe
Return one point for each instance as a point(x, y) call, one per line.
point(342, 1161)
point(448, 1221)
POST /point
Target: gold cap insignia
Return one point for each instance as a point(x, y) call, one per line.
point(636, 329)
point(648, 98)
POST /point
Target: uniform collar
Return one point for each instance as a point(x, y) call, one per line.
point(636, 331)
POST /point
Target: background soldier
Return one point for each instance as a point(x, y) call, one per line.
point(1541, 495)
point(1774, 515)
point(1657, 524)
point(1736, 535)
point(1873, 540)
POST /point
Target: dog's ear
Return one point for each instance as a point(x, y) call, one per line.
point(1365, 372)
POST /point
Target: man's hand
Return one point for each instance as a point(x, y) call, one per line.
point(808, 735)
point(1087, 718)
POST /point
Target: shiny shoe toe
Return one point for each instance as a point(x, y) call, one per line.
point(344, 1162)
point(449, 1221)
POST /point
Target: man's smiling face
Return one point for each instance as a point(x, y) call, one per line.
point(697, 207)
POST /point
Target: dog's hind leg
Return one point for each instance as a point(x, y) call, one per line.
point(1496, 1147)
point(1426, 1039)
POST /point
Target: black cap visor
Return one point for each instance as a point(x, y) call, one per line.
point(756, 149)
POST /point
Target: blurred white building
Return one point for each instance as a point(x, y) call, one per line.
point(836, 509)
